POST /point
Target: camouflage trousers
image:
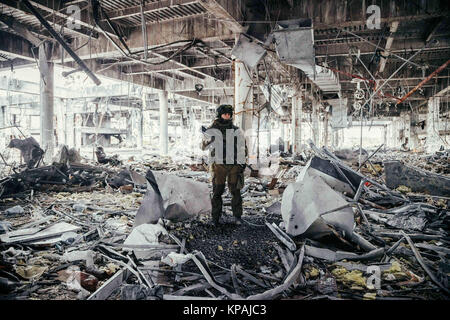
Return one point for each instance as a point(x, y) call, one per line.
point(222, 173)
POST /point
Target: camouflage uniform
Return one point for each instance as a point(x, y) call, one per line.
point(221, 173)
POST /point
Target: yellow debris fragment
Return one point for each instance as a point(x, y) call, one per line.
point(370, 296)
point(110, 268)
point(339, 272)
point(403, 189)
point(220, 248)
point(377, 168)
point(395, 267)
point(314, 272)
point(354, 278)
point(30, 272)
point(394, 272)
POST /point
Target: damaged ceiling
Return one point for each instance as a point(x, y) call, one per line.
point(177, 44)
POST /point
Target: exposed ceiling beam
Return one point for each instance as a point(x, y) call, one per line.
point(15, 46)
point(20, 29)
point(85, 19)
point(157, 35)
point(218, 11)
point(442, 92)
point(18, 7)
point(171, 66)
point(148, 8)
point(318, 25)
point(195, 96)
point(390, 39)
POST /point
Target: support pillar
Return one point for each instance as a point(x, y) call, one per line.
point(163, 123)
point(325, 130)
point(433, 141)
point(137, 127)
point(315, 122)
point(243, 100)
point(60, 122)
point(269, 133)
point(286, 134)
point(335, 138)
point(293, 124)
point(297, 106)
point(146, 122)
point(2, 125)
point(415, 143)
point(70, 121)
point(46, 100)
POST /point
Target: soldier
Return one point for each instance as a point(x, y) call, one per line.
point(226, 163)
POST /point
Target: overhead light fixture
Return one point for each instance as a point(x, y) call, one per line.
point(198, 88)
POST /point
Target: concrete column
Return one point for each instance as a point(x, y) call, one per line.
point(78, 124)
point(407, 126)
point(297, 108)
point(385, 137)
point(70, 121)
point(415, 143)
point(286, 135)
point(192, 130)
point(298, 132)
point(315, 123)
point(46, 100)
point(393, 133)
point(294, 124)
point(243, 98)
point(2, 125)
point(269, 133)
point(334, 138)
point(137, 128)
point(163, 123)
point(325, 130)
point(146, 129)
point(433, 141)
point(60, 121)
point(203, 116)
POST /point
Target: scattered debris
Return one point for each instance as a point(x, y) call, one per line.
point(398, 174)
point(143, 232)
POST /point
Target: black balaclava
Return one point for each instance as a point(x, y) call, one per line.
point(225, 108)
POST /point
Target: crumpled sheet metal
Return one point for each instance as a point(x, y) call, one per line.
point(304, 201)
point(323, 168)
point(144, 234)
point(172, 197)
point(183, 197)
point(151, 209)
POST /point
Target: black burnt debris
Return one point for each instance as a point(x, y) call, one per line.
point(67, 231)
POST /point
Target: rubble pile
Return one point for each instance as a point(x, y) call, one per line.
point(319, 228)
